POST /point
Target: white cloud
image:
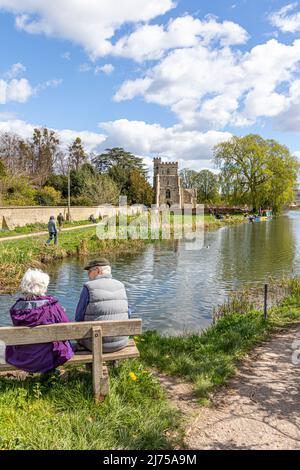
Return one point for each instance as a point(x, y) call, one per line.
point(174, 143)
point(190, 148)
point(106, 68)
point(287, 19)
point(54, 83)
point(289, 120)
point(66, 55)
point(91, 140)
point(151, 41)
point(15, 70)
point(89, 23)
point(220, 86)
point(15, 90)
point(85, 67)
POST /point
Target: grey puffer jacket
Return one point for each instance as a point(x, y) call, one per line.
point(107, 301)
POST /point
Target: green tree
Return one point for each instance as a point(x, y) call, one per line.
point(139, 189)
point(188, 177)
point(280, 188)
point(48, 196)
point(17, 191)
point(77, 155)
point(117, 163)
point(207, 185)
point(2, 169)
point(256, 171)
point(125, 169)
point(42, 153)
point(58, 182)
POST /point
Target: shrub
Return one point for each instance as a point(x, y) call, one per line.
point(48, 196)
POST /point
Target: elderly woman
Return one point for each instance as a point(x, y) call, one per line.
point(32, 309)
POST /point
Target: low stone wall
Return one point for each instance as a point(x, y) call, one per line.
point(13, 216)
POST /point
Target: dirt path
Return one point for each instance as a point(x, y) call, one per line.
point(40, 234)
point(259, 409)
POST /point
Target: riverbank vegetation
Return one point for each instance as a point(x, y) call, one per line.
point(61, 414)
point(208, 360)
point(38, 227)
point(17, 255)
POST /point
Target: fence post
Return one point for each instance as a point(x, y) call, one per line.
point(266, 302)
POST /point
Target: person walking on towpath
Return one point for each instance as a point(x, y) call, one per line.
point(60, 221)
point(52, 229)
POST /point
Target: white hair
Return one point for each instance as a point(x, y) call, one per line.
point(106, 270)
point(34, 283)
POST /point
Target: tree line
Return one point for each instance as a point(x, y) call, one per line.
point(35, 171)
point(251, 171)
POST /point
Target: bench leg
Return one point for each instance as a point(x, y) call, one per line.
point(104, 385)
point(100, 372)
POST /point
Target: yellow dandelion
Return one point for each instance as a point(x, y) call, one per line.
point(132, 376)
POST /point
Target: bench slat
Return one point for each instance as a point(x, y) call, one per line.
point(14, 336)
point(85, 357)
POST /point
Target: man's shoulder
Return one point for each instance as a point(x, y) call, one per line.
point(104, 281)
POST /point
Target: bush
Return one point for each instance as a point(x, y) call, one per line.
point(48, 196)
point(82, 201)
point(17, 191)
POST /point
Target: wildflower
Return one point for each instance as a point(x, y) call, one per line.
point(132, 376)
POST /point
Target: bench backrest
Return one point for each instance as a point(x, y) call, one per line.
point(18, 335)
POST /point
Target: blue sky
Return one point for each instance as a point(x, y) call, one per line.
point(157, 77)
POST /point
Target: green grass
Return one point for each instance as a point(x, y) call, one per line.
point(57, 414)
point(210, 359)
point(62, 414)
point(38, 227)
point(17, 255)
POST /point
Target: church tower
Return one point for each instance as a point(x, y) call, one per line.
point(166, 183)
point(168, 187)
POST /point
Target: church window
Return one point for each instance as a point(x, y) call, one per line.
point(168, 194)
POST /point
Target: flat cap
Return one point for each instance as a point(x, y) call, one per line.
point(97, 262)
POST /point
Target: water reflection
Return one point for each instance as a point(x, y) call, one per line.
point(174, 290)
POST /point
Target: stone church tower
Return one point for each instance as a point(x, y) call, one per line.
point(168, 186)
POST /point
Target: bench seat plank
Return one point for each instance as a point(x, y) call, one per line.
point(86, 357)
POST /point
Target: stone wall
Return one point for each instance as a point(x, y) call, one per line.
point(11, 217)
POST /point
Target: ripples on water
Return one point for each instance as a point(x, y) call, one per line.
point(174, 290)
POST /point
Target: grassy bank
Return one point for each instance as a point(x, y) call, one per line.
point(136, 415)
point(63, 415)
point(17, 255)
point(209, 359)
point(38, 227)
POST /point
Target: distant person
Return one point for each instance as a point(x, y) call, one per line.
point(103, 298)
point(60, 221)
point(32, 309)
point(92, 219)
point(52, 229)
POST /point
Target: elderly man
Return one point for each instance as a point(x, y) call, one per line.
point(103, 298)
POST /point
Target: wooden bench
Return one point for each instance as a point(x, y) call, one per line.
point(15, 336)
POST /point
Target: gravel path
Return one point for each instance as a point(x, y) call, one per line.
point(260, 407)
point(40, 234)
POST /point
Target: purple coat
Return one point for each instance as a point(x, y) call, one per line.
point(38, 357)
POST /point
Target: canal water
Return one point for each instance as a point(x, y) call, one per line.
point(174, 290)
